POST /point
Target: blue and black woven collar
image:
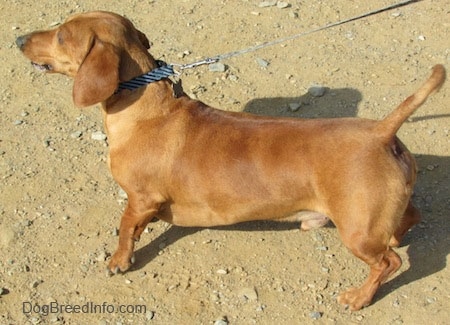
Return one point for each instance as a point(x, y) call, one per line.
point(163, 71)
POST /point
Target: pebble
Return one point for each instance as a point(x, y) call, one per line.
point(222, 271)
point(431, 300)
point(262, 63)
point(294, 107)
point(396, 303)
point(18, 122)
point(98, 136)
point(317, 91)
point(1, 291)
point(266, 4)
point(101, 257)
point(282, 5)
point(293, 14)
point(248, 294)
point(122, 194)
point(35, 283)
point(315, 315)
point(217, 67)
point(260, 308)
point(222, 321)
point(76, 134)
point(150, 315)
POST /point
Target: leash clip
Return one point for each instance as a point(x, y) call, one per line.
point(182, 67)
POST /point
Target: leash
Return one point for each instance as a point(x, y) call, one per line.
point(167, 70)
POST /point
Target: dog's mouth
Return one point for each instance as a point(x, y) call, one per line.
point(42, 67)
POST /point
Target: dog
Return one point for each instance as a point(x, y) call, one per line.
point(191, 165)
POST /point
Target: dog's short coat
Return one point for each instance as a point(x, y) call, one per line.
point(192, 165)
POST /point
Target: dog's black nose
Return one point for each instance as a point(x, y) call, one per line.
point(20, 41)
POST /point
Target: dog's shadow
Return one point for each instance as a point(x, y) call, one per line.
point(428, 242)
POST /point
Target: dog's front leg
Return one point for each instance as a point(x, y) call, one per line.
point(131, 226)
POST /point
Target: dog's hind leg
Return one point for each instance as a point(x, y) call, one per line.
point(367, 232)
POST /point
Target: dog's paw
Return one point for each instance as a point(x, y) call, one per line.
point(120, 262)
point(353, 299)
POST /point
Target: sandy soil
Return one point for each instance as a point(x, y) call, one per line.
point(59, 207)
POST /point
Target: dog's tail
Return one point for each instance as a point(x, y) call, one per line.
point(391, 123)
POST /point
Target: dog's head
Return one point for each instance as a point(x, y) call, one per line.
point(88, 47)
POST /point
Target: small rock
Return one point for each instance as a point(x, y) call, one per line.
point(98, 136)
point(293, 14)
point(222, 271)
point(282, 5)
point(421, 38)
point(122, 194)
point(262, 63)
point(127, 281)
point(150, 315)
point(260, 308)
point(315, 315)
point(76, 134)
point(430, 300)
point(101, 257)
point(222, 321)
point(18, 122)
point(217, 67)
point(359, 318)
point(294, 107)
point(317, 91)
point(266, 4)
point(1, 291)
point(183, 54)
point(35, 284)
point(248, 294)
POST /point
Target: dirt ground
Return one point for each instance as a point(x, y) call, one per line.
point(60, 208)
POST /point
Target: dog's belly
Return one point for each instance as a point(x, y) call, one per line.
point(209, 214)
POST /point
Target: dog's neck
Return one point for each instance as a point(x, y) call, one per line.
point(130, 107)
point(133, 63)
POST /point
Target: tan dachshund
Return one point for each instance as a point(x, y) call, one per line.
point(192, 165)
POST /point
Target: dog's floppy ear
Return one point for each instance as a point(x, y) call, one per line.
point(98, 76)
